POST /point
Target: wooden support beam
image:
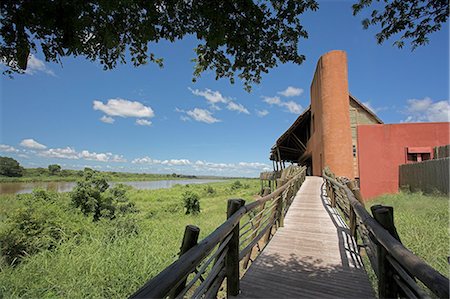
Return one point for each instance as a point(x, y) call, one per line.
point(387, 288)
point(279, 156)
point(299, 142)
point(232, 257)
point(190, 239)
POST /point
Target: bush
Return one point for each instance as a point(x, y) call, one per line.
point(236, 185)
point(41, 194)
point(39, 225)
point(210, 190)
point(191, 202)
point(10, 167)
point(93, 196)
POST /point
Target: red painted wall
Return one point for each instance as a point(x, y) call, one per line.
point(381, 149)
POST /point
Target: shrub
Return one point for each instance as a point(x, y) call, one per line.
point(41, 194)
point(191, 202)
point(93, 196)
point(39, 225)
point(236, 185)
point(210, 190)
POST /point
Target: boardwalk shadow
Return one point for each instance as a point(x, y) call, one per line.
point(347, 245)
point(273, 276)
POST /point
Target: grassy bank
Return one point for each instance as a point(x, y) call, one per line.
point(67, 175)
point(422, 221)
point(112, 258)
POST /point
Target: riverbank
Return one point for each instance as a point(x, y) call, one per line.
point(67, 175)
point(34, 175)
point(63, 186)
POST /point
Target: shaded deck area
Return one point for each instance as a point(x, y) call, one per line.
point(312, 256)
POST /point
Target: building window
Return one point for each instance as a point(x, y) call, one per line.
point(417, 154)
point(354, 150)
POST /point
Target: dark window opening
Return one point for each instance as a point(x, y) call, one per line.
point(418, 157)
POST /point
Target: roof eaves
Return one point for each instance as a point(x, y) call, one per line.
point(365, 108)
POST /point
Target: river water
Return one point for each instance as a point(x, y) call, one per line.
point(19, 187)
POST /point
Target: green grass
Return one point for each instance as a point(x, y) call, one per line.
point(102, 261)
point(66, 175)
point(422, 222)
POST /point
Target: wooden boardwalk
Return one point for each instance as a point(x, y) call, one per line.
point(312, 256)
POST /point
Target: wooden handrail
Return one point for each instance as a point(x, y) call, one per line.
point(431, 278)
point(165, 281)
point(161, 284)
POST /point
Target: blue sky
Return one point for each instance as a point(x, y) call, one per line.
point(154, 120)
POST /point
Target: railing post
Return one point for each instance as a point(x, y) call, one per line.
point(355, 190)
point(387, 287)
point(352, 217)
point(280, 214)
point(190, 239)
point(232, 258)
point(257, 222)
point(333, 196)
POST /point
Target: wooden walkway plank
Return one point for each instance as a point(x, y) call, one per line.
point(312, 256)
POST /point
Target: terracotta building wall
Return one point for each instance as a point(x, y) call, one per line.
point(331, 141)
point(382, 148)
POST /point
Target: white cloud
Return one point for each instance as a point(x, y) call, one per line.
point(237, 107)
point(107, 119)
point(8, 148)
point(272, 100)
point(176, 162)
point(291, 91)
point(202, 115)
point(36, 65)
point(124, 108)
point(118, 158)
point(143, 122)
point(291, 106)
point(31, 143)
point(262, 113)
point(145, 160)
point(213, 97)
point(252, 164)
point(102, 157)
point(63, 153)
point(71, 153)
point(204, 166)
point(171, 162)
point(425, 110)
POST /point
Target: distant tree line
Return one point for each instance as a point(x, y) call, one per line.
point(10, 167)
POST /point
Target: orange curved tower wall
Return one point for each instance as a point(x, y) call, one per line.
point(331, 139)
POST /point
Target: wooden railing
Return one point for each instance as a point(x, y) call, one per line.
point(202, 267)
point(396, 267)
